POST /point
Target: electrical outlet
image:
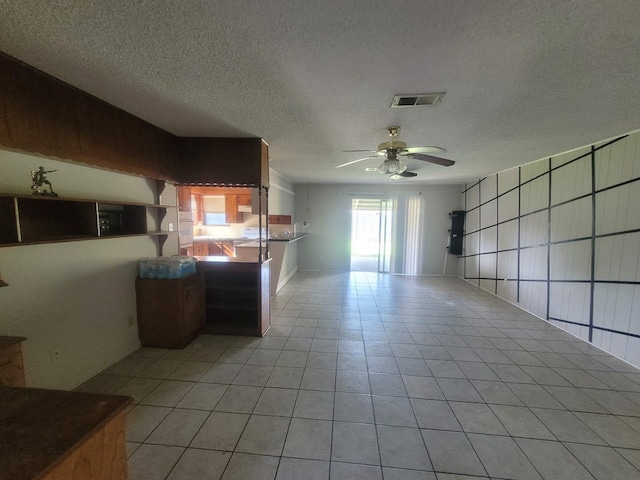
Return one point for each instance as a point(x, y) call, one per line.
point(55, 354)
point(130, 320)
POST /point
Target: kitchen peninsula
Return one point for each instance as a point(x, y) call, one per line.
point(237, 294)
point(283, 251)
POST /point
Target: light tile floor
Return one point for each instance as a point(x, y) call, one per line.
point(372, 376)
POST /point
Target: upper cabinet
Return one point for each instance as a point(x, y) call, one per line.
point(184, 199)
point(46, 116)
point(232, 198)
point(224, 161)
point(231, 208)
point(244, 200)
point(42, 115)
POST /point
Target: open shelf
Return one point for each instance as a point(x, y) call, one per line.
point(235, 300)
point(8, 222)
point(55, 220)
point(27, 220)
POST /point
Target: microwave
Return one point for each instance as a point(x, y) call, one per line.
point(110, 223)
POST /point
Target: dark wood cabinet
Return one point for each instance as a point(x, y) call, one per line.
point(237, 297)
point(46, 116)
point(205, 161)
point(170, 311)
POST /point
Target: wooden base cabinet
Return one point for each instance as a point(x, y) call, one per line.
point(11, 364)
point(170, 311)
point(60, 435)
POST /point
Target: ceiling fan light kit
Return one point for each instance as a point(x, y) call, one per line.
point(392, 166)
point(394, 148)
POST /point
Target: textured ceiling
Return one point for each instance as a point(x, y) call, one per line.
point(523, 79)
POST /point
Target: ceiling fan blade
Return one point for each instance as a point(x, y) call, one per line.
point(350, 151)
point(429, 158)
point(425, 149)
point(354, 161)
point(405, 174)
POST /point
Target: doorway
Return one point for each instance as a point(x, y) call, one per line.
point(371, 227)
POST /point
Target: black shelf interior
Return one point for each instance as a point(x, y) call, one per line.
point(232, 317)
point(8, 224)
point(121, 219)
point(231, 298)
point(50, 220)
point(231, 280)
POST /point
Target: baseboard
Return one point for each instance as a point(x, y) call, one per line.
point(286, 279)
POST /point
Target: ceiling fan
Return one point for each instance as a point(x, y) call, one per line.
point(393, 149)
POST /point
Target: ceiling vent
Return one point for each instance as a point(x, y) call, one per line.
point(416, 100)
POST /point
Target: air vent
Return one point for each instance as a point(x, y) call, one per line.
point(416, 100)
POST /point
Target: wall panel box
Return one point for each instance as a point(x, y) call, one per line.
point(456, 232)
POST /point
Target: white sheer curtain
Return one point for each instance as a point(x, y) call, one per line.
point(412, 264)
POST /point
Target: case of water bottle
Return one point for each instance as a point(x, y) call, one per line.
point(176, 266)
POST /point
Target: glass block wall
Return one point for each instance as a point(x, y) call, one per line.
point(560, 237)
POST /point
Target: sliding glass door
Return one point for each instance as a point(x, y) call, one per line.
point(371, 234)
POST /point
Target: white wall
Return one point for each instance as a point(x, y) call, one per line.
point(327, 208)
point(76, 296)
point(281, 195)
point(281, 202)
point(536, 227)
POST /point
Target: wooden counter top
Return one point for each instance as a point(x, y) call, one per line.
point(223, 259)
point(8, 341)
point(288, 239)
point(40, 428)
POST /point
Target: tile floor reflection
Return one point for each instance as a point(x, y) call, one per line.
point(372, 376)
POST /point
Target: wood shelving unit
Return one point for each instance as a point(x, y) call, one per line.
point(26, 220)
point(236, 297)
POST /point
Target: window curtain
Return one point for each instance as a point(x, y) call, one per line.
point(408, 235)
point(413, 226)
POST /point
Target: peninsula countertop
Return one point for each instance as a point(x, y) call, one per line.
point(244, 240)
point(40, 428)
point(288, 238)
point(224, 259)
